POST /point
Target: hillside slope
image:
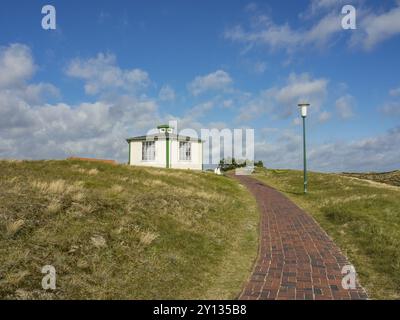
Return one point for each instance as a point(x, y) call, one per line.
point(119, 232)
point(362, 217)
point(392, 178)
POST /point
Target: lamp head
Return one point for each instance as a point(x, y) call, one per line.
point(303, 109)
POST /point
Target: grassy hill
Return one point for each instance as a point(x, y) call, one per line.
point(362, 217)
point(392, 178)
point(119, 232)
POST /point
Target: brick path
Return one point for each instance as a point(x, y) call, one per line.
point(297, 260)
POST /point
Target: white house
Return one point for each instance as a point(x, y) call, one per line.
point(166, 149)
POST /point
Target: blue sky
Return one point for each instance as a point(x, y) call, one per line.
point(114, 69)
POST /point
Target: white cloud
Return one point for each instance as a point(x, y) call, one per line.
point(282, 152)
point(299, 88)
point(200, 110)
point(274, 36)
point(16, 65)
point(281, 101)
point(320, 31)
point(102, 74)
point(395, 92)
point(16, 68)
point(380, 153)
point(254, 107)
point(391, 108)
point(56, 131)
point(260, 67)
point(324, 116)
point(39, 92)
point(227, 103)
point(166, 93)
point(345, 106)
point(318, 6)
point(296, 121)
point(33, 129)
point(218, 80)
point(376, 28)
point(321, 34)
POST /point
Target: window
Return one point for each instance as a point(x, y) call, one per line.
point(148, 150)
point(185, 151)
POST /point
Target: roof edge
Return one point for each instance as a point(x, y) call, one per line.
point(164, 137)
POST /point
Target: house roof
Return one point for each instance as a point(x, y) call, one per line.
point(164, 126)
point(163, 136)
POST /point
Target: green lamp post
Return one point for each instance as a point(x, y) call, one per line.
point(303, 110)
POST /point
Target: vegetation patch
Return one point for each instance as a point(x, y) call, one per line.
point(392, 177)
point(120, 232)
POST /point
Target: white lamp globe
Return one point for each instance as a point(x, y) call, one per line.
point(303, 109)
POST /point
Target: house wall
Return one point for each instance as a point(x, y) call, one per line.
point(197, 156)
point(160, 158)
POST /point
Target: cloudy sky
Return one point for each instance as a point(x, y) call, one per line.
point(115, 69)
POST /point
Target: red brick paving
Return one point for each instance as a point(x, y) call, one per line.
point(297, 260)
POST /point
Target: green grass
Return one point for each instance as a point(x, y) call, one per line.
point(119, 232)
point(362, 217)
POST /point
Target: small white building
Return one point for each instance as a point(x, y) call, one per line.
point(166, 149)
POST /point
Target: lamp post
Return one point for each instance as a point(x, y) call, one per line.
point(303, 110)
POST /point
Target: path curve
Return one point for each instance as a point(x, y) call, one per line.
point(297, 259)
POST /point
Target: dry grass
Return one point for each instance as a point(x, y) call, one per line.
point(389, 178)
point(78, 196)
point(98, 241)
point(84, 171)
point(57, 187)
point(154, 183)
point(13, 227)
point(54, 206)
point(147, 237)
point(93, 171)
point(123, 232)
point(117, 189)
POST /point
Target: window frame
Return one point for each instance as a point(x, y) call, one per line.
point(186, 146)
point(148, 150)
